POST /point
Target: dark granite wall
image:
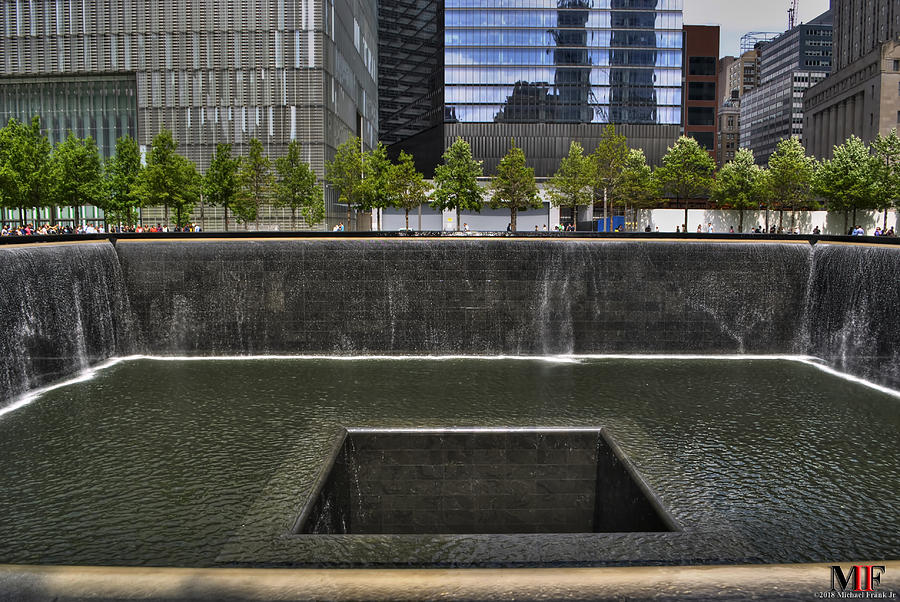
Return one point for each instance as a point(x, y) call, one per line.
point(63, 308)
point(466, 296)
point(479, 482)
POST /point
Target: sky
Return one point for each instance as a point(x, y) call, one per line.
point(737, 17)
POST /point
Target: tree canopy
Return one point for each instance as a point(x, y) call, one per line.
point(169, 180)
point(296, 187)
point(686, 172)
point(77, 174)
point(514, 186)
point(847, 181)
point(222, 183)
point(571, 186)
point(791, 175)
point(456, 181)
point(121, 176)
point(607, 161)
point(406, 187)
point(740, 185)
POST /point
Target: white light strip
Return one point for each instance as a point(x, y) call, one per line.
point(90, 373)
point(83, 376)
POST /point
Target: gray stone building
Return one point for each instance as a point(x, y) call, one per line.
point(789, 65)
point(211, 72)
point(862, 96)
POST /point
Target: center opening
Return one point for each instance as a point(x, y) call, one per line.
point(480, 481)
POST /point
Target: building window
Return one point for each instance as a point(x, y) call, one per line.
point(701, 91)
point(702, 65)
point(896, 65)
point(701, 116)
point(705, 139)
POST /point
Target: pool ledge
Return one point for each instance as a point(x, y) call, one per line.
point(743, 582)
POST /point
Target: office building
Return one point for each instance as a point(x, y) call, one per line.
point(862, 95)
point(542, 72)
point(729, 131)
point(210, 72)
point(701, 84)
point(789, 65)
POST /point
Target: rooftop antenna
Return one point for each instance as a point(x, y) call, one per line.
point(792, 13)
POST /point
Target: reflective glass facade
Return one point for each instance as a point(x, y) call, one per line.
point(563, 61)
point(103, 107)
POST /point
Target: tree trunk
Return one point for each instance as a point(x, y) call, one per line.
point(348, 214)
point(767, 219)
point(605, 218)
point(166, 214)
point(854, 217)
point(512, 219)
point(294, 218)
point(740, 221)
point(457, 218)
point(407, 220)
point(226, 218)
point(257, 216)
point(685, 213)
point(846, 228)
point(884, 229)
point(77, 213)
point(781, 219)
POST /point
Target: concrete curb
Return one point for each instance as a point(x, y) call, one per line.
point(750, 582)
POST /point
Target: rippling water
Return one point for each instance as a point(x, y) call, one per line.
point(198, 463)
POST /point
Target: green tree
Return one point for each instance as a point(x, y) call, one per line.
point(570, 186)
point(168, 179)
point(345, 173)
point(406, 187)
point(791, 175)
point(121, 176)
point(25, 179)
point(376, 171)
point(607, 161)
point(847, 182)
point(222, 183)
point(77, 174)
point(740, 185)
point(456, 181)
point(635, 184)
point(886, 150)
point(191, 184)
point(296, 187)
point(256, 182)
point(686, 172)
point(514, 187)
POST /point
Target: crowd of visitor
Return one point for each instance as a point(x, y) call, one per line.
point(88, 228)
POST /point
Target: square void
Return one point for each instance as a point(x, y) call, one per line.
point(480, 481)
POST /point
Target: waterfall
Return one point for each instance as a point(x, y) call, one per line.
point(854, 296)
point(64, 308)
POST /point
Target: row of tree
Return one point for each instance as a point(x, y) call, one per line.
point(34, 174)
point(858, 178)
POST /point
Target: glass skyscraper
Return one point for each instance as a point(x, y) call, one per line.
point(541, 71)
point(564, 61)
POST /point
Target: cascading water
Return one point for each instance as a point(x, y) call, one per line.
point(64, 308)
point(853, 301)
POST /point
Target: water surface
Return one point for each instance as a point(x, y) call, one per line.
point(200, 463)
